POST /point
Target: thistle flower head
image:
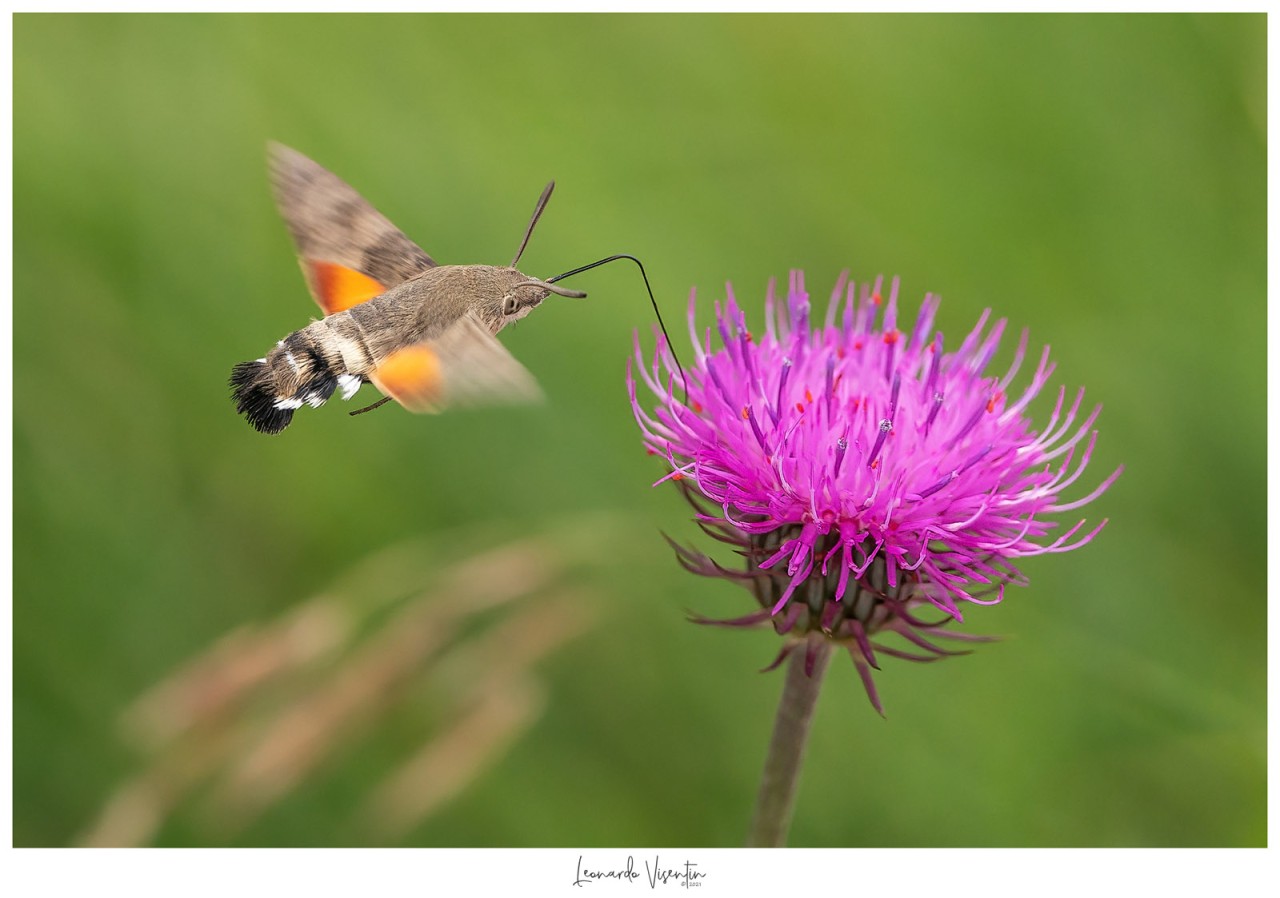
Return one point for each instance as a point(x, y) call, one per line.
point(867, 474)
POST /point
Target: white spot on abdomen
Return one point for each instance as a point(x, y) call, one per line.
point(348, 383)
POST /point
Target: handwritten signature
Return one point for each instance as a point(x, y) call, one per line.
point(656, 874)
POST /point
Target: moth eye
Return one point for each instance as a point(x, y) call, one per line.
point(509, 305)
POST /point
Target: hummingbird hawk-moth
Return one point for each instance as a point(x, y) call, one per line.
point(421, 332)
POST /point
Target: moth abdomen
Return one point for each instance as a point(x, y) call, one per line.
point(302, 369)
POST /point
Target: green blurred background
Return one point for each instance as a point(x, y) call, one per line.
point(1097, 179)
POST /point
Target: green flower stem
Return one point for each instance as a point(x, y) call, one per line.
point(777, 798)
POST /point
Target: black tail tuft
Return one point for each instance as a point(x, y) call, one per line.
point(253, 391)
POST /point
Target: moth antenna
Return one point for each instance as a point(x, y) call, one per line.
point(368, 408)
point(662, 324)
point(537, 213)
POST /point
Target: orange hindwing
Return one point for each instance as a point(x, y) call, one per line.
point(338, 288)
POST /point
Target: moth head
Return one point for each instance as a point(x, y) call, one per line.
point(525, 294)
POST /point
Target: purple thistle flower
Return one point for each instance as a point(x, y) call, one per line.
point(865, 474)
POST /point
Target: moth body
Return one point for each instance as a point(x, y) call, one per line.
point(422, 333)
point(426, 306)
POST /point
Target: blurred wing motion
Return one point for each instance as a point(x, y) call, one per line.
point(465, 365)
point(348, 250)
